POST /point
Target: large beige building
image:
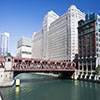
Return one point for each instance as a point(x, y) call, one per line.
point(59, 38)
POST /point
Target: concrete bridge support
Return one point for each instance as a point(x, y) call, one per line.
point(76, 74)
point(6, 73)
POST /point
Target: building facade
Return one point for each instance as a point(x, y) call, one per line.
point(24, 47)
point(4, 43)
point(48, 19)
point(89, 43)
point(40, 39)
point(37, 45)
point(63, 35)
point(60, 35)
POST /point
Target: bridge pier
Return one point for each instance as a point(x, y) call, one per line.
point(6, 73)
point(76, 74)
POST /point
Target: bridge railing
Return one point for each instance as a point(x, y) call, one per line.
point(24, 63)
point(44, 65)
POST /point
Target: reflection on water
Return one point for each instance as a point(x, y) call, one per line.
point(51, 89)
point(17, 92)
point(76, 82)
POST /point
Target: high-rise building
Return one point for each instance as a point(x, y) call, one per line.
point(48, 19)
point(40, 39)
point(24, 47)
point(37, 45)
point(89, 43)
point(60, 34)
point(63, 35)
point(4, 43)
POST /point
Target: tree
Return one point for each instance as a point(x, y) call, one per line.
point(98, 70)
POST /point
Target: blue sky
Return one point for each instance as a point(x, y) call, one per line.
point(23, 17)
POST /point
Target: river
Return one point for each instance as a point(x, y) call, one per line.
point(40, 87)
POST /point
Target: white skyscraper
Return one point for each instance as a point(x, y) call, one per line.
point(37, 45)
point(63, 35)
point(72, 18)
point(24, 47)
point(60, 35)
point(4, 43)
point(48, 19)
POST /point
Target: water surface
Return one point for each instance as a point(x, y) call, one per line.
point(51, 89)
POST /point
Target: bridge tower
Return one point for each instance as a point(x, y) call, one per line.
point(6, 73)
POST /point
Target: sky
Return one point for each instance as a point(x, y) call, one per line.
point(24, 17)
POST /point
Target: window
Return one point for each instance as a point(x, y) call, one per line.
point(97, 49)
point(87, 40)
point(92, 29)
point(91, 24)
point(97, 44)
point(88, 45)
point(88, 35)
point(99, 19)
point(9, 60)
point(25, 52)
point(87, 26)
point(88, 30)
point(96, 34)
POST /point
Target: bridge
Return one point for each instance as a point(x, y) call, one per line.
point(17, 65)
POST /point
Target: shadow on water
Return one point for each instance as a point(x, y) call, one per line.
point(38, 80)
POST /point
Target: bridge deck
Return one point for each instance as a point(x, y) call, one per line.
point(44, 70)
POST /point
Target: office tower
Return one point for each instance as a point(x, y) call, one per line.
point(89, 43)
point(63, 35)
point(4, 43)
point(48, 19)
point(40, 39)
point(37, 45)
point(24, 47)
point(60, 35)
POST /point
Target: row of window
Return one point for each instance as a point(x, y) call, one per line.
point(86, 36)
point(88, 51)
point(7, 76)
point(87, 26)
point(24, 52)
point(86, 31)
point(84, 45)
point(88, 55)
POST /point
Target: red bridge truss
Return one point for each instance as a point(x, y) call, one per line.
point(38, 65)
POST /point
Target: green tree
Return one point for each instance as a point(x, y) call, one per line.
point(98, 70)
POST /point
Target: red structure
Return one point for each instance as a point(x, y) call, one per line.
point(38, 65)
